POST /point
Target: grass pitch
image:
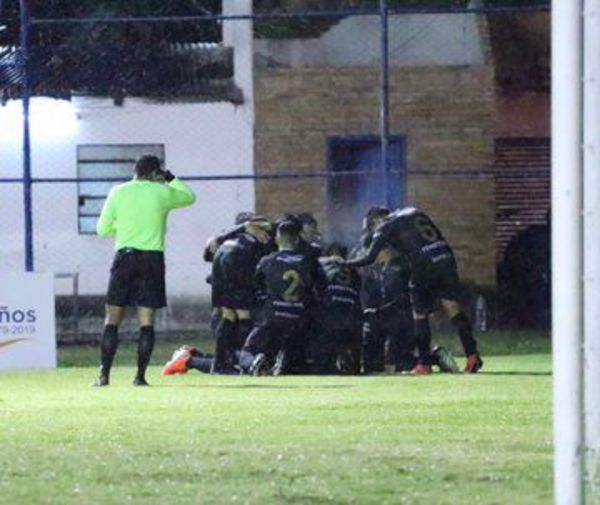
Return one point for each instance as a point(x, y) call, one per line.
point(442, 439)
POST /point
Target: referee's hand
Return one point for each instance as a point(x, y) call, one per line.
point(169, 176)
point(166, 175)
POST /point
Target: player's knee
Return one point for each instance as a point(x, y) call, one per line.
point(228, 314)
point(451, 307)
point(145, 316)
point(114, 315)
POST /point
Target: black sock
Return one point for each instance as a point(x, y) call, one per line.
point(110, 341)
point(145, 347)
point(225, 335)
point(465, 331)
point(423, 337)
point(373, 347)
point(244, 327)
point(201, 363)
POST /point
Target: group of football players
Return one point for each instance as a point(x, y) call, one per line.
point(284, 304)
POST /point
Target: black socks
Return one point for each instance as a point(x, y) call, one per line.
point(423, 337)
point(465, 331)
point(145, 347)
point(244, 327)
point(110, 341)
point(201, 363)
point(225, 335)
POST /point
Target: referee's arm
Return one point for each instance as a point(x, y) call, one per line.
point(180, 194)
point(106, 222)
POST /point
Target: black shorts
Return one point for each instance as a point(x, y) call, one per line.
point(231, 284)
point(137, 278)
point(427, 290)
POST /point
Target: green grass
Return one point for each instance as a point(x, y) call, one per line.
point(442, 439)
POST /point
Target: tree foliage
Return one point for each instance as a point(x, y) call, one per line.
point(130, 32)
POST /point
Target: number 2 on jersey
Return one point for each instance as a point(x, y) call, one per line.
point(291, 293)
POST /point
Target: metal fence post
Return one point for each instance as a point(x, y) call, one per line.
point(567, 250)
point(27, 183)
point(384, 103)
point(591, 248)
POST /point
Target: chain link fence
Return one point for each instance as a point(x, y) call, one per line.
point(328, 109)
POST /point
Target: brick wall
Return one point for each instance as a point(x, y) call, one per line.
point(445, 114)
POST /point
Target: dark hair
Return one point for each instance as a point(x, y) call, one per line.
point(244, 216)
point(146, 166)
point(288, 230)
point(336, 249)
point(307, 218)
point(375, 213)
point(294, 220)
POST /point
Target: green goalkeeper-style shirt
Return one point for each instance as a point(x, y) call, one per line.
point(135, 212)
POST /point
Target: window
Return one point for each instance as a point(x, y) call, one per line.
point(97, 163)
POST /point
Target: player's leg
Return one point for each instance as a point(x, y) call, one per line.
point(350, 348)
point(110, 342)
point(202, 363)
point(117, 298)
point(225, 335)
point(402, 338)
point(256, 347)
point(422, 298)
point(149, 295)
point(244, 327)
point(145, 343)
point(185, 358)
point(327, 345)
point(373, 344)
point(463, 326)
point(423, 338)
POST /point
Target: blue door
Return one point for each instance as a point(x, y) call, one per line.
point(361, 183)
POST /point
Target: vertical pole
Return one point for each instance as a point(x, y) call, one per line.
point(567, 257)
point(24, 36)
point(384, 112)
point(239, 34)
point(591, 259)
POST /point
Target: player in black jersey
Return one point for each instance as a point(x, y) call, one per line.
point(390, 319)
point(233, 270)
point(302, 353)
point(340, 342)
point(285, 280)
point(232, 278)
point(433, 277)
point(386, 304)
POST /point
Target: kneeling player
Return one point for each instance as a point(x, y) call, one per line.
point(433, 277)
point(341, 336)
point(285, 280)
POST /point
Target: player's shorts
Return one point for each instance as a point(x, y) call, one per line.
point(427, 290)
point(231, 287)
point(137, 278)
point(233, 279)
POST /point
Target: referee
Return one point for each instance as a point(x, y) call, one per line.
point(135, 214)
